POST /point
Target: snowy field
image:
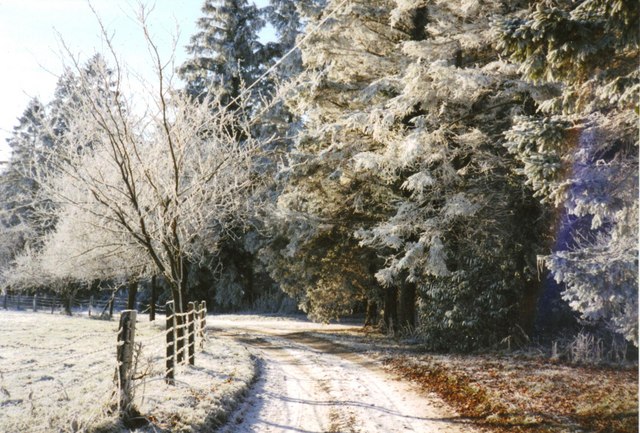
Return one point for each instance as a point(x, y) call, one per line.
point(57, 375)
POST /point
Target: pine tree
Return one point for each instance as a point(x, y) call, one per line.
point(226, 58)
point(288, 19)
point(19, 226)
point(401, 158)
point(225, 51)
point(579, 151)
point(317, 210)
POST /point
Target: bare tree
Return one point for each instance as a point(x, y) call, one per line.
point(168, 182)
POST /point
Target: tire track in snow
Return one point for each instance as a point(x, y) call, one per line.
point(310, 385)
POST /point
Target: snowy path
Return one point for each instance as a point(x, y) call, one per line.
point(309, 385)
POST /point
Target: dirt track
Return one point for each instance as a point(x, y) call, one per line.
point(310, 385)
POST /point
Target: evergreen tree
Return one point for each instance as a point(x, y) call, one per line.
point(288, 18)
point(18, 217)
point(579, 151)
point(26, 144)
point(457, 228)
point(401, 158)
point(227, 57)
point(225, 51)
point(314, 255)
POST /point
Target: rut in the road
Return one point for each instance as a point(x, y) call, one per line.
point(313, 385)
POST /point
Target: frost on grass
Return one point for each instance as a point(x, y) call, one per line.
point(58, 374)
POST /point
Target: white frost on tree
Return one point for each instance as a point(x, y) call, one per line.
point(169, 182)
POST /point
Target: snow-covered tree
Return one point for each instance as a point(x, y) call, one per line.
point(312, 231)
point(24, 217)
point(288, 19)
point(579, 151)
point(404, 106)
point(38, 147)
point(29, 143)
point(225, 52)
point(170, 181)
point(456, 229)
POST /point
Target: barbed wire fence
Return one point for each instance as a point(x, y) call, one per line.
point(138, 362)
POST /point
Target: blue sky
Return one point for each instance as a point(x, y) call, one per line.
point(30, 32)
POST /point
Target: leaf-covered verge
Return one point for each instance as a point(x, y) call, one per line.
point(515, 392)
point(57, 374)
point(512, 393)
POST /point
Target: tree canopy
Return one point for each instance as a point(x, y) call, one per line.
point(430, 161)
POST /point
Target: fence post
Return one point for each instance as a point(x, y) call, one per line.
point(180, 323)
point(203, 322)
point(90, 305)
point(6, 299)
point(191, 320)
point(35, 303)
point(171, 330)
point(204, 314)
point(198, 323)
point(152, 306)
point(126, 335)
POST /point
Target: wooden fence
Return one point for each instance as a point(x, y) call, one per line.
point(91, 306)
point(183, 330)
point(185, 335)
point(140, 358)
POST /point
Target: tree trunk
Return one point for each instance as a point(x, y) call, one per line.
point(111, 302)
point(154, 296)
point(407, 306)
point(371, 318)
point(67, 304)
point(133, 291)
point(529, 307)
point(390, 316)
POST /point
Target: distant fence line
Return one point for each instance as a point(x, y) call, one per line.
point(91, 306)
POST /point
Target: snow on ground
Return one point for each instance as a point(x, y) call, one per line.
point(311, 385)
point(57, 374)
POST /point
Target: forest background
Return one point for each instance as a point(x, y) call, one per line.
point(465, 172)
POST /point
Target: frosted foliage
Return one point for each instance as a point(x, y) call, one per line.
point(412, 150)
point(229, 291)
point(142, 193)
point(418, 182)
point(367, 161)
point(402, 9)
point(579, 152)
point(225, 52)
point(437, 255)
point(85, 248)
point(25, 270)
point(590, 192)
point(607, 265)
point(403, 105)
point(459, 205)
point(600, 273)
point(11, 244)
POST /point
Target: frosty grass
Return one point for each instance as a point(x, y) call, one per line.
point(57, 375)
